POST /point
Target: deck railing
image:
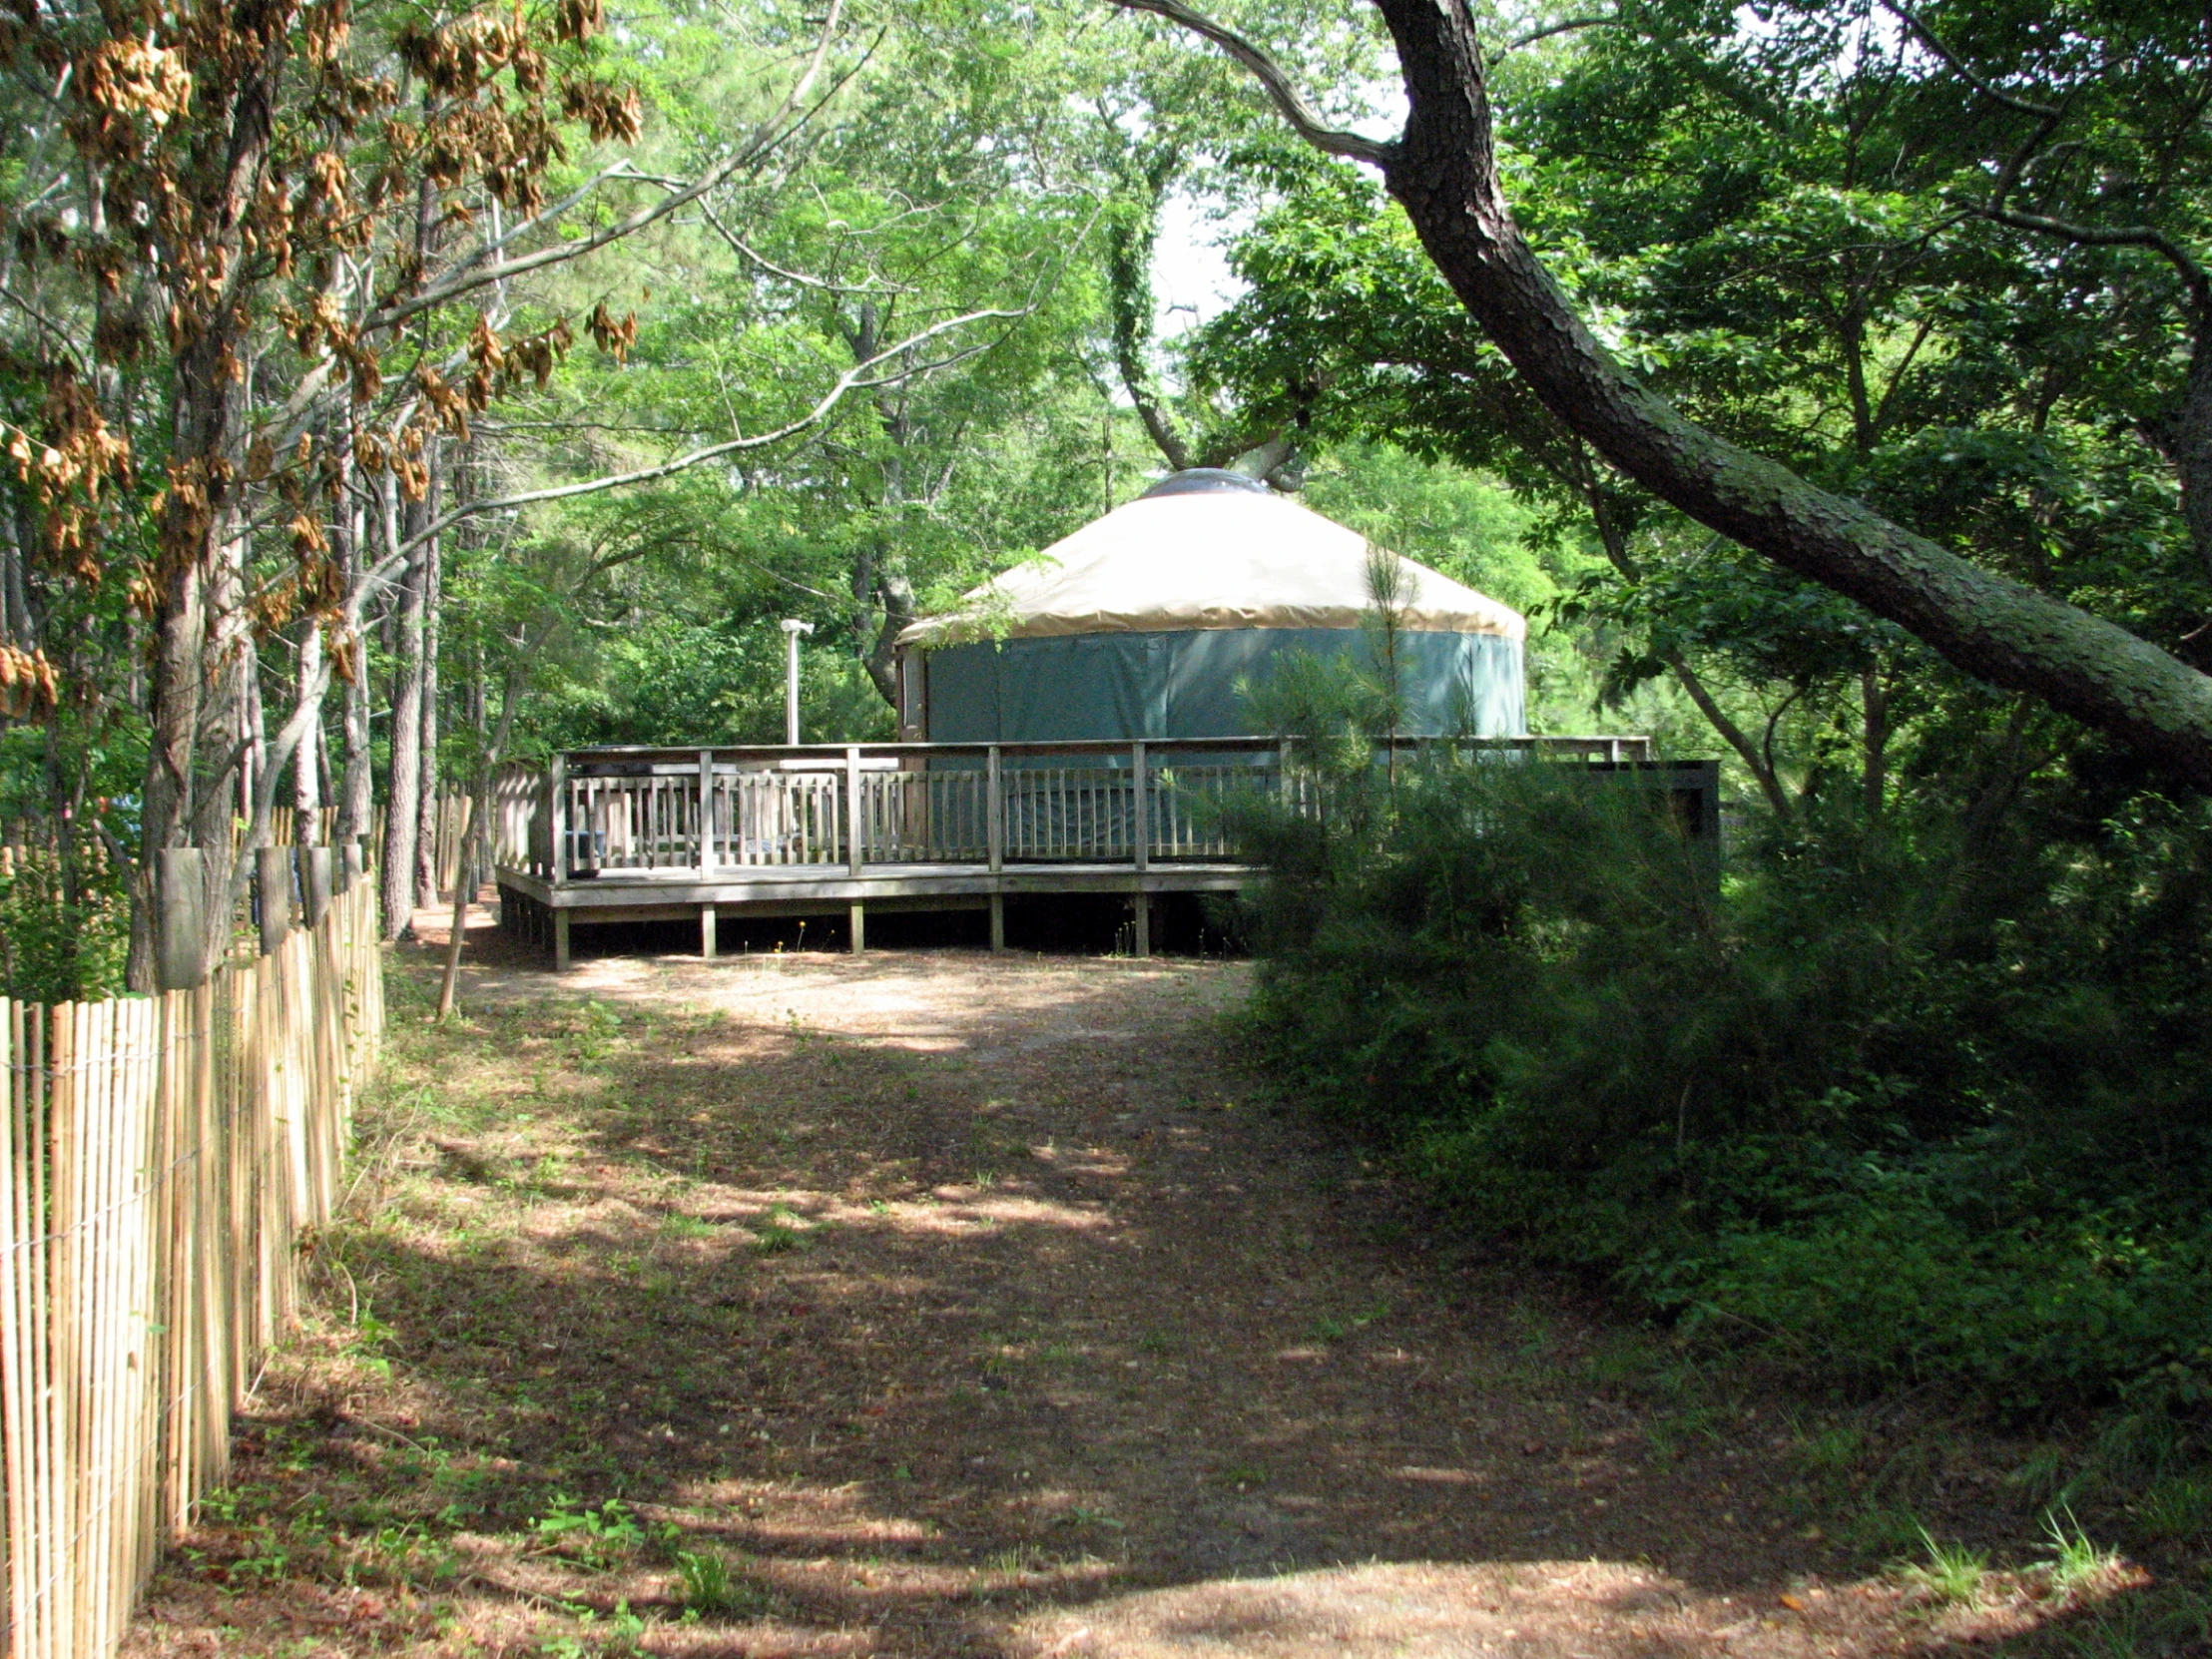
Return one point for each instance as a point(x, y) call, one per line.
point(714, 812)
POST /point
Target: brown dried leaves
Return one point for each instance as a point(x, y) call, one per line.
point(27, 686)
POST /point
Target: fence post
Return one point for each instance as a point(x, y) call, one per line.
point(995, 813)
point(556, 815)
point(706, 815)
point(1140, 836)
point(315, 884)
point(273, 889)
point(994, 842)
point(1140, 819)
point(180, 901)
point(855, 831)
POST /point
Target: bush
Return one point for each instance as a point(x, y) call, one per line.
point(65, 925)
point(1890, 1105)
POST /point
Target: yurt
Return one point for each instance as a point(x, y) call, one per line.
point(1150, 622)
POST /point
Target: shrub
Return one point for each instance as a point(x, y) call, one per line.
point(1889, 1104)
point(65, 925)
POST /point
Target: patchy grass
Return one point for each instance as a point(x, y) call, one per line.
point(956, 1306)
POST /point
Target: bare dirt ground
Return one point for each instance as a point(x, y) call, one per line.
point(937, 1303)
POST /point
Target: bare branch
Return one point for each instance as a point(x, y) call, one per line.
point(1957, 65)
point(738, 247)
point(764, 138)
point(551, 214)
point(1567, 27)
point(2123, 236)
point(1270, 75)
point(856, 378)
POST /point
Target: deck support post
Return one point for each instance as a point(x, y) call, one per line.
point(706, 932)
point(560, 942)
point(856, 924)
point(998, 922)
point(1144, 924)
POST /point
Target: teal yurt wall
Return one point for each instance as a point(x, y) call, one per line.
point(1149, 622)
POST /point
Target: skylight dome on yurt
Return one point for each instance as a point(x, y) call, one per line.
point(1150, 622)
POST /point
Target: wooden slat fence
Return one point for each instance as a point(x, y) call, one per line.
point(160, 1159)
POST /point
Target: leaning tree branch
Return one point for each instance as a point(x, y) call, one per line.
point(1444, 172)
point(1276, 79)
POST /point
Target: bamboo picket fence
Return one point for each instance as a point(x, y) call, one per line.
point(163, 1162)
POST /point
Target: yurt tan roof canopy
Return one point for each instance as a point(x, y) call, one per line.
point(1156, 620)
point(1214, 557)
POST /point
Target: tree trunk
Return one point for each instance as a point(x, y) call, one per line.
point(16, 625)
point(356, 788)
point(1612, 535)
point(1755, 762)
point(253, 730)
point(1445, 172)
point(2186, 443)
point(426, 831)
point(895, 591)
point(404, 787)
point(1874, 706)
point(355, 803)
point(199, 644)
point(1129, 245)
point(307, 760)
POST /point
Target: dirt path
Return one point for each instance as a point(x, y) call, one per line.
point(937, 1303)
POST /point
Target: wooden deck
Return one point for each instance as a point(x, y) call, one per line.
point(655, 835)
point(545, 912)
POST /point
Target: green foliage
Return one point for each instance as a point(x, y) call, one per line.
point(1893, 1104)
point(673, 681)
point(65, 925)
point(712, 1586)
point(2075, 1561)
point(1952, 1572)
point(599, 1537)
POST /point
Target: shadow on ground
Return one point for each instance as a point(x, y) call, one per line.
point(942, 1303)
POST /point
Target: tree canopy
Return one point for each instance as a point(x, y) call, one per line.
point(390, 390)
